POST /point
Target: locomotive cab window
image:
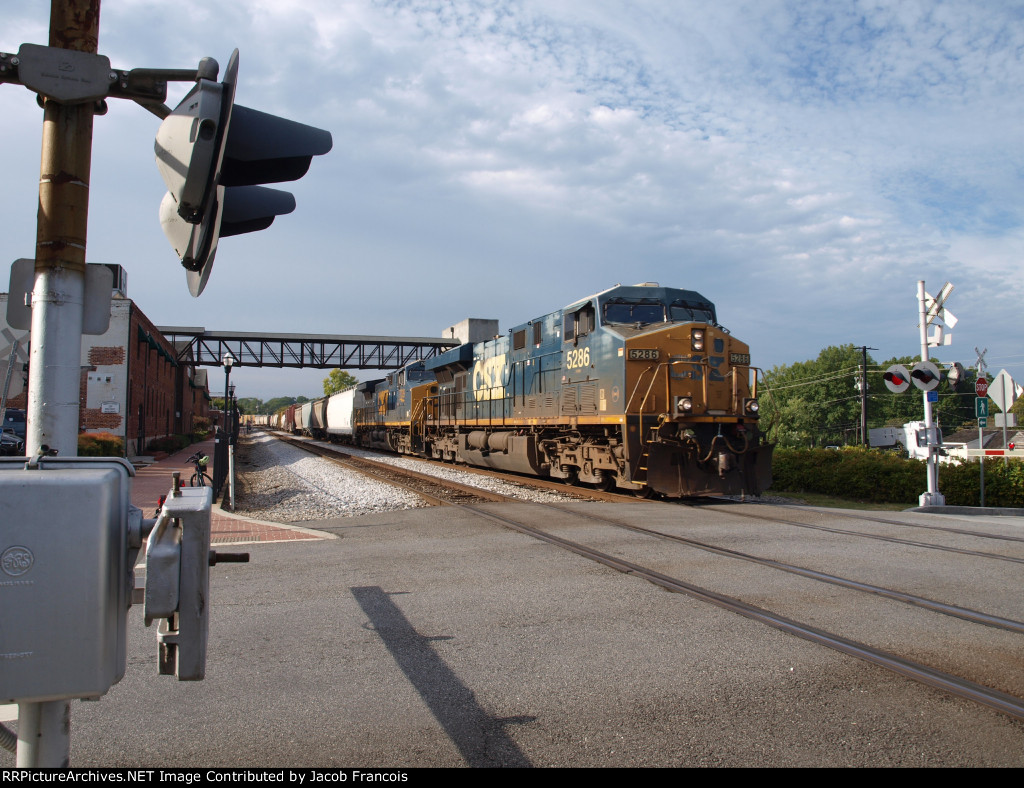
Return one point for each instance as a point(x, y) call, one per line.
point(579, 323)
point(692, 312)
point(634, 310)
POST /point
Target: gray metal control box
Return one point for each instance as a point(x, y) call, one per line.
point(64, 582)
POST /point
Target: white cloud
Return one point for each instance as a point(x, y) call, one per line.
point(505, 157)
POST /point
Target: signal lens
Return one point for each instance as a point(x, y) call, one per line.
point(697, 340)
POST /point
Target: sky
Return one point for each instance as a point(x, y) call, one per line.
point(800, 164)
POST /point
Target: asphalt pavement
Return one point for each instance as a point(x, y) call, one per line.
point(437, 638)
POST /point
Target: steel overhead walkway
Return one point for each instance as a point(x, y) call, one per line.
point(203, 347)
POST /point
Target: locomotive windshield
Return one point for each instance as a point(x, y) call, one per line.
point(641, 311)
point(693, 312)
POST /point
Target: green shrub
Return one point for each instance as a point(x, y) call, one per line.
point(100, 444)
point(883, 477)
point(169, 444)
point(1004, 483)
point(201, 427)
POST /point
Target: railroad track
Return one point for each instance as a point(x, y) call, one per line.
point(469, 498)
point(958, 686)
point(435, 491)
point(897, 523)
point(770, 517)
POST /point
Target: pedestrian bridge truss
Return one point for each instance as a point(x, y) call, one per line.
point(316, 351)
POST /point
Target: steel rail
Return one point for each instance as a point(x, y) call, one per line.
point(946, 682)
point(955, 611)
point(885, 521)
point(880, 537)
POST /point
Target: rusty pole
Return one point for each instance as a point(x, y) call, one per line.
point(58, 292)
point(44, 736)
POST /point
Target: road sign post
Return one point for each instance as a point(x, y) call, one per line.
point(1003, 391)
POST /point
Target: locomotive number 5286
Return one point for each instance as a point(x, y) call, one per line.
point(580, 357)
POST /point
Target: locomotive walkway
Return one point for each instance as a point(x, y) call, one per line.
point(154, 480)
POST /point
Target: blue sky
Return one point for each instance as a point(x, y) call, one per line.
point(801, 164)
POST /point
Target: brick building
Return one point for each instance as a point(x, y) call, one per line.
point(132, 383)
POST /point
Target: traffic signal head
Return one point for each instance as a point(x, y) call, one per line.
point(212, 155)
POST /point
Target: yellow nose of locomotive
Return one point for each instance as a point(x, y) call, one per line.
point(692, 413)
point(692, 372)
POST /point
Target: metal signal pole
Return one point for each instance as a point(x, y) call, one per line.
point(57, 308)
point(932, 497)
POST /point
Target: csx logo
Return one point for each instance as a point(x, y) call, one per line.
point(488, 378)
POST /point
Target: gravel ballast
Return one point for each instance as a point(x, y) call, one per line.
point(282, 483)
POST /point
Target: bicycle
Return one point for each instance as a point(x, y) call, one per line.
point(200, 478)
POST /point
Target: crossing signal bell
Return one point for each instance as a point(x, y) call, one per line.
point(212, 155)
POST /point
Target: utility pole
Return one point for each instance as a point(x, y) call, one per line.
point(863, 386)
point(932, 497)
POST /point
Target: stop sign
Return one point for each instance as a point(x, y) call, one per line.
point(981, 387)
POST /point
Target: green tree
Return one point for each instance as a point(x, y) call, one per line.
point(250, 405)
point(280, 403)
point(814, 403)
point(338, 380)
point(818, 402)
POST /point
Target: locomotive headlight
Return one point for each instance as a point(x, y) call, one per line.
point(684, 405)
point(697, 340)
point(751, 406)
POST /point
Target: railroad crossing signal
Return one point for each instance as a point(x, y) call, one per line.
point(981, 365)
point(212, 155)
point(897, 379)
point(939, 317)
point(925, 375)
point(955, 375)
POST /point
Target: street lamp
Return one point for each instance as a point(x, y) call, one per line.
point(229, 360)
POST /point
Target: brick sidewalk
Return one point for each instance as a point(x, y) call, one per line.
point(226, 528)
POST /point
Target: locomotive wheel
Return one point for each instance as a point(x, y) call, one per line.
point(607, 484)
point(645, 492)
point(572, 479)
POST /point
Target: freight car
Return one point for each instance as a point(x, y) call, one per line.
point(637, 387)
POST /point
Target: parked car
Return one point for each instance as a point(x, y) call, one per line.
point(11, 445)
point(14, 421)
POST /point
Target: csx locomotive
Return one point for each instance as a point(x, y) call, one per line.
point(636, 387)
